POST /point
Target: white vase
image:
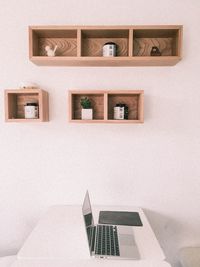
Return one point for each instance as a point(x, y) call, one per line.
point(87, 114)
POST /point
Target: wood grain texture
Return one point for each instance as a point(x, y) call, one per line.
point(130, 100)
point(93, 46)
point(21, 100)
point(143, 46)
point(66, 46)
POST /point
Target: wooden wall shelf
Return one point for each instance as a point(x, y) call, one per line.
point(17, 98)
point(82, 45)
point(103, 103)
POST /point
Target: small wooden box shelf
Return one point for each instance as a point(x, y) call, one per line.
point(17, 98)
point(103, 103)
point(82, 45)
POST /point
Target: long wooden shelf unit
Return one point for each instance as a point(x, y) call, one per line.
point(82, 45)
point(103, 103)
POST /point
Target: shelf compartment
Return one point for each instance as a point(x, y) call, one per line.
point(92, 41)
point(97, 103)
point(167, 40)
point(65, 39)
point(16, 99)
point(134, 101)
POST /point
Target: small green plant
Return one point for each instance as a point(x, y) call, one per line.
point(85, 103)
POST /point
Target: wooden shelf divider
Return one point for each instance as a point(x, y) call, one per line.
point(130, 48)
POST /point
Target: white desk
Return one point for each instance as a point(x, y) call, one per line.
point(89, 263)
point(60, 240)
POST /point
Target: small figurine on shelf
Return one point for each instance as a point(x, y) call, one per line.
point(86, 112)
point(155, 51)
point(28, 85)
point(51, 52)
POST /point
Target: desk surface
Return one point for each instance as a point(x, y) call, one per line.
point(89, 263)
point(60, 235)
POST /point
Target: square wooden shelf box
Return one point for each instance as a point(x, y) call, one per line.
point(82, 45)
point(166, 39)
point(103, 103)
point(15, 99)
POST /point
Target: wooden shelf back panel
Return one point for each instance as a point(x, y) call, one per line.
point(17, 102)
point(165, 40)
point(143, 46)
point(55, 33)
point(92, 47)
point(105, 33)
point(97, 102)
point(155, 33)
point(93, 41)
point(131, 100)
point(66, 46)
point(66, 40)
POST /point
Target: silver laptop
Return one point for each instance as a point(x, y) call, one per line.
point(108, 241)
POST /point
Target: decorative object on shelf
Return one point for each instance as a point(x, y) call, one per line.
point(155, 51)
point(26, 85)
point(86, 112)
point(51, 52)
point(31, 110)
point(121, 112)
point(110, 49)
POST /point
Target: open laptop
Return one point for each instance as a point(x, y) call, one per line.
point(108, 241)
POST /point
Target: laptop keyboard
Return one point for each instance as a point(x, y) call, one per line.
point(107, 240)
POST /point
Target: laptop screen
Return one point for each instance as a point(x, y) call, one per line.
point(88, 219)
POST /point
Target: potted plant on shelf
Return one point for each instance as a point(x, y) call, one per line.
point(86, 112)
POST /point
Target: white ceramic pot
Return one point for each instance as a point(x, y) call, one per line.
point(31, 111)
point(109, 49)
point(87, 114)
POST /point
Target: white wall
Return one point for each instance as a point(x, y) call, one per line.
point(154, 165)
